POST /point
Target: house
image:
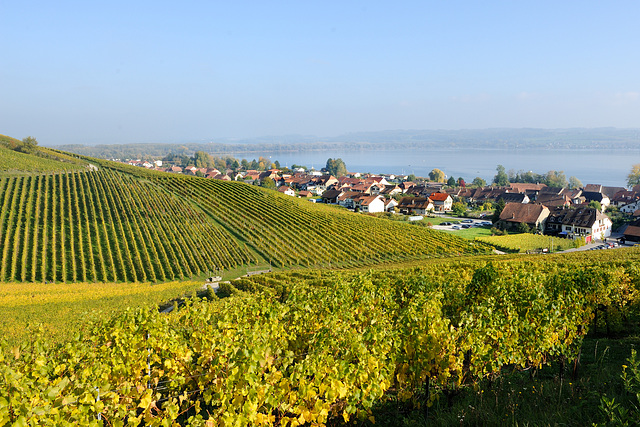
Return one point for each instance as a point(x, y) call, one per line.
point(632, 232)
point(596, 196)
point(371, 204)
point(286, 190)
point(515, 214)
point(554, 200)
point(416, 205)
point(630, 208)
point(406, 185)
point(391, 190)
point(442, 202)
point(304, 193)
point(587, 222)
point(347, 198)
point(390, 205)
point(624, 197)
point(331, 196)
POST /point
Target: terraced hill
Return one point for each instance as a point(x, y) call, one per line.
point(126, 224)
point(42, 160)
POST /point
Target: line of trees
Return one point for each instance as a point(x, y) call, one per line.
point(552, 178)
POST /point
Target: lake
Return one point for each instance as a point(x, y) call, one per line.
point(606, 167)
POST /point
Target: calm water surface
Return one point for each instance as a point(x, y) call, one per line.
point(606, 167)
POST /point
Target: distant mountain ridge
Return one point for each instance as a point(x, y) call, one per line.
point(499, 138)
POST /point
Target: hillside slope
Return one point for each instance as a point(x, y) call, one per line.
point(105, 226)
point(291, 231)
point(41, 160)
point(127, 224)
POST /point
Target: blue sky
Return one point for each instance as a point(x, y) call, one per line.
point(153, 71)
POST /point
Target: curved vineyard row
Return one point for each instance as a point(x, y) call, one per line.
point(104, 227)
point(289, 231)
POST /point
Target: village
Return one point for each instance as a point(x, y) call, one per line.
point(576, 213)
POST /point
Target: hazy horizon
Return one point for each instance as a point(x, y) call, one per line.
point(161, 72)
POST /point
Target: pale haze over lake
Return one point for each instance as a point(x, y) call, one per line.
point(606, 167)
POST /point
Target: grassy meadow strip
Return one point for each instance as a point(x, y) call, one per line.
point(61, 309)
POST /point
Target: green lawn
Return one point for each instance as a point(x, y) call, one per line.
point(470, 233)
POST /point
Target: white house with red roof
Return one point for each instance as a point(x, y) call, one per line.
point(442, 202)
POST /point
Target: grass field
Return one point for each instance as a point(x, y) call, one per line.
point(470, 233)
point(60, 309)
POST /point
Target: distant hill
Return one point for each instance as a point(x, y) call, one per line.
point(576, 138)
point(126, 224)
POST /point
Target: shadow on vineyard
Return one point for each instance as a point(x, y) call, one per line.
point(551, 396)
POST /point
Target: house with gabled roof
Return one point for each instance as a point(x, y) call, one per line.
point(416, 205)
point(390, 204)
point(632, 232)
point(581, 222)
point(391, 190)
point(515, 214)
point(624, 197)
point(406, 185)
point(442, 202)
point(347, 199)
point(554, 200)
point(598, 197)
point(331, 196)
point(371, 204)
point(286, 190)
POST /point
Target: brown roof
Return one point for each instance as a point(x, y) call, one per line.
point(581, 217)
point(632, 230)
point(522, 187)
point(519, 212)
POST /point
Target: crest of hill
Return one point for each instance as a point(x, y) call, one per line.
point(41, 160)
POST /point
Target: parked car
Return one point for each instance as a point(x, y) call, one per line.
point(466, 226)
point(456, 227)
point(467, 221)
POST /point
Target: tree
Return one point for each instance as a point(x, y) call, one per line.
point(458, 208)
point(499, 208)
point(411, 177)
point(336, 167)
point(267, 182)
point(451, 182)
point(556, 179)
point(437, 175)
point(595, 205)
point(276, 164)
point(29, 145)
point(501, 177)
point(574, 183)
point(478, 182)
point(634, 176)
point(202, 159)
point(461, 182)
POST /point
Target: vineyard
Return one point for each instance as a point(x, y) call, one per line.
point(105, 227)
point(528, 242)
point(292, 232)
point(314, 346)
